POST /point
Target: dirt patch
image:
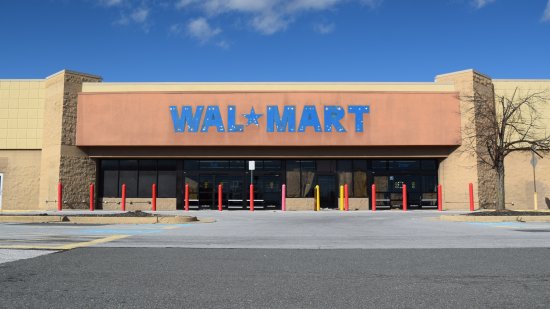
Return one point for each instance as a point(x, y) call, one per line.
point(508, 213)
point(132, 214)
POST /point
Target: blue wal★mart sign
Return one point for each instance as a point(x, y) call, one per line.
point(200, 120)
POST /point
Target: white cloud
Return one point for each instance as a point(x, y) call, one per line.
point(481, 3)
point(181, 4)
point(264, 16)
point(324, 28)
point(176, 29)
point(269, 23)
point(304, 5)
point(201, 30)
point(546, 14)
point(109, 3)
point(223, 44)
point(140, 15)
point(371, 3)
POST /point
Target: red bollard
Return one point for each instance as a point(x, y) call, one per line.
point(123, 201)
point(404, 197)
point(346, 198)
point(220, 197)
point(439, 198)
point(91, 197)
point(251, 197)
point(59, 196)
point(373, 193)
point(471, 187)
point(283, 198)
point(154, 197)
point(186, 197)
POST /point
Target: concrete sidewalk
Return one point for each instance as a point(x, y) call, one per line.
point(293, 230)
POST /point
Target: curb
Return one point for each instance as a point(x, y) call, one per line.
point(98, 220)
point(30, 219)
point(461, 218)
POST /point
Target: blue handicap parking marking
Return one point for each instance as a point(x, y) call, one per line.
point(499, 224)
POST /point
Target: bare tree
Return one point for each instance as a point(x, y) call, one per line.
point(501, 125)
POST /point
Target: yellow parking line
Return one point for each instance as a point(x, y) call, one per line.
point(69, 246)
point(92, 242)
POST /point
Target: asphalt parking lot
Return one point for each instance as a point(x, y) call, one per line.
point(274, 260)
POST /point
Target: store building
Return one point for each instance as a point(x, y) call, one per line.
point(72, 128)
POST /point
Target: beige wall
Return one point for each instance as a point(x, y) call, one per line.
point(143, 204)
point(460, 167)
point(21, 178)
point(21, 122)
point(21, 110)
point(62, 161)
point(306, 203)
point(519, 181)
point(518, 168)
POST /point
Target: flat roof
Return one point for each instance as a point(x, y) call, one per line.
point(267, 86)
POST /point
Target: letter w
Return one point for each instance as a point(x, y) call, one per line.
point(186, 119)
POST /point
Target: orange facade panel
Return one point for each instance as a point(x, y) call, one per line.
point(269, 119)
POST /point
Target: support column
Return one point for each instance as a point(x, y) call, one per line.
point(61, 160)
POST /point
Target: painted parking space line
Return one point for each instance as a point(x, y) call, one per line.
point(131, 230)
point(67, 246)
point(79, 236)
point(93, 242)
point(511, 225)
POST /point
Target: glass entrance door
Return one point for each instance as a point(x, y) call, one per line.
point(413, 190)
point(327, 191)
point(207, 191)
point(232, 191)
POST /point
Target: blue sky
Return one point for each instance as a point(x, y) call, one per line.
point(274, 40)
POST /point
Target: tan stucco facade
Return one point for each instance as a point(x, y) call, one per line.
point(37, 132)
point(39, 144)
point(519, 171)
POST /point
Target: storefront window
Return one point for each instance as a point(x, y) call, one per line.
point(193, 182)
point(292, 178)
point(360, 165)
point(404, 164)
point(300, 177)
point(236, 164)
point(213, 164)
point(166, 178)
point(308, 169)
point(429, 164)
point(272, 165)
point(147, 177)
point(129, 176)
point(191, 165)
point(325, 166)
point(345, 174)
point(379, 164)
point(109, 173)
point(360, 184)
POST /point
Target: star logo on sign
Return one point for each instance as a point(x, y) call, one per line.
point(252, 117)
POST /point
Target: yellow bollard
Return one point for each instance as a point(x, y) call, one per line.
point(317, 199)
point(535, 197)
point(341, 207)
